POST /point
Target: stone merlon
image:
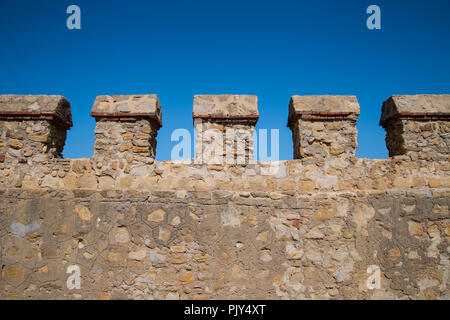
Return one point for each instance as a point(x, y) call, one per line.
point(416, 107)
point(417, 126)
point(127, 107)
point(127, 126)
point(226, 108)
point(53, 108)
point(323, 126)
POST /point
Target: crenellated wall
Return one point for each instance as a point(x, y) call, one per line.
point(325, 225)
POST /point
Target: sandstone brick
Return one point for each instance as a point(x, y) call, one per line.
point(322, 214)
point(13, 273)
point(139, 254)
point(62, 229)
point(306, 185)
point(434, 182)
point(164, 234)
point(83, 212)
point(87, 181)
point(294, 253)
point(187, 277)
point(288, 185)
point(415, 228)
point(419, 182)
point(440, 209)
point(262, 237)
point(121, 235)
point(30, 183)
point(157, 216)
point(81, 166)
point(178, 249)
point(15, 144)
point(127, 136)
point(104, 296)
point(179, 259)
point(336, 150)
point(140, 149)
point(401, 183)
point(38, 137)
point(447, 230)
point(334, 125)
point(175, 221)
point(394, 254)
point(126, 146)
point(335, 171)
point(114, 256)
point(347, 234)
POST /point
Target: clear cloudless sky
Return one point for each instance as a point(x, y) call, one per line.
point(272, 49)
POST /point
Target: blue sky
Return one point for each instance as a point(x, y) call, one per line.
point(272, 49)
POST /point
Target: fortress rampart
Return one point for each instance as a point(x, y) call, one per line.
point(325, 225)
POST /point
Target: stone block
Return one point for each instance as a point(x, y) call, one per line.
point(417, 126)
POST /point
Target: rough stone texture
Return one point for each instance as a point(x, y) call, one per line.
point(225, 106)
point(323, 126)
point(420, 103)
point(417, 126)
point(33, 128)
point(223, 124)
point(50, 105)
point(127, 126)
point(323, 103)
point(296, 229)
point(145, 105)
point(221, 143)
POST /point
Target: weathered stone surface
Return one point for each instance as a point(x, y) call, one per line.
point(322, 103)
point(126, 129)
point(319, 227)
point(420, 103)
point(225, 126)
point(156, 216)
point(225, 106)
point(33, 127)
point(43, 104)
point(146, 105)
point(323, 127)
point(417, 126)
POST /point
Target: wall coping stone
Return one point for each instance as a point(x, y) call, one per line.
point(54, 108)
point(420, 107)
point(127, 108)
point(323, 108)
point(226, 108)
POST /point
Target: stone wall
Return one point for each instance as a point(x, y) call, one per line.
point(329, 227)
